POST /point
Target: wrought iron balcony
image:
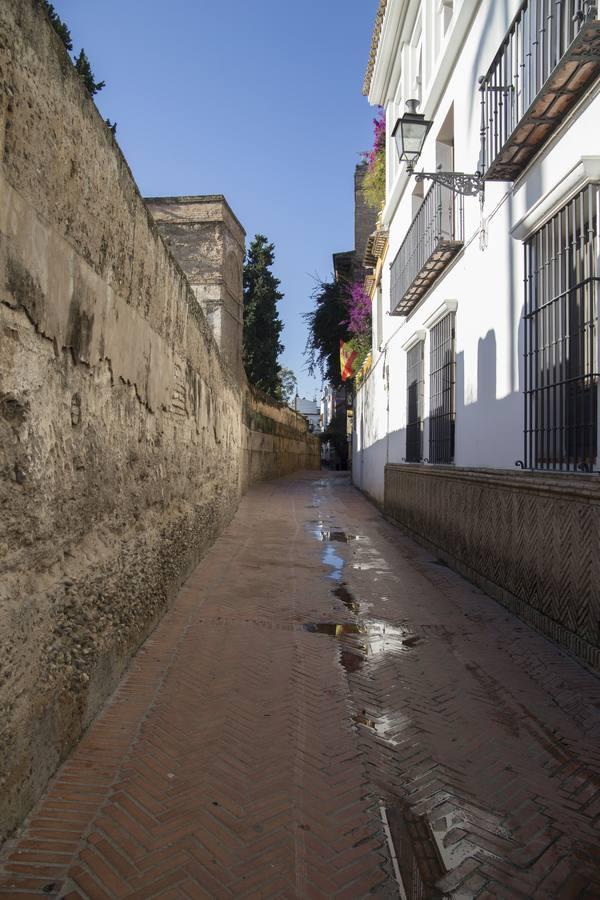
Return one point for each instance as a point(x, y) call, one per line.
point(549, 57)
point(434, 238)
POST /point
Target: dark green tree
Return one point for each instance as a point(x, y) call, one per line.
point(82, 64)
point(58, 25)
point(262, 325)
point(327, 325)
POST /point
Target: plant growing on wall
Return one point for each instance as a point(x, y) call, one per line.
point(262, 325)
point(81, 62)
point(59, 26)
point(82, 65)
point(374, 180)
point(358, 305)
point(327, 324)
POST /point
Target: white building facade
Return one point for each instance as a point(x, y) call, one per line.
point(483, 391)
point(310, 410)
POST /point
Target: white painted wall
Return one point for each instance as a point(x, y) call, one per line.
point(487, 284)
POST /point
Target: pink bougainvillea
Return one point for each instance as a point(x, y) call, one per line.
point(370, 156)
point(359, 309)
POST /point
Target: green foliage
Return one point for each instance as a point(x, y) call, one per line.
point(82, 65)
point(58, 25)
point(373, 187)
point(327, 325)
point(362, 344)
point(262, 325)
point(288, 385)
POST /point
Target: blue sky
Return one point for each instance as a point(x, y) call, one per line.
point(260, 101)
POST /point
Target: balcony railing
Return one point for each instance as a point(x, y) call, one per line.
point(549, 57)
point(434, 238)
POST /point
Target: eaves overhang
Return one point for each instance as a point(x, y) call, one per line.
point(374, 46)
point(392, 25)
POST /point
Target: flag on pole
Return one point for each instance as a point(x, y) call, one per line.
point(348, 357)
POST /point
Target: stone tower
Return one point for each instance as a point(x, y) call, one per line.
point(207, 241)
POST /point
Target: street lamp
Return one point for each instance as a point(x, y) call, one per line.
point(410, 132)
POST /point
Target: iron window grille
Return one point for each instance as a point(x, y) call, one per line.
point(415, 381)
point(562, 281)
point(442, 381)
point(548, 58)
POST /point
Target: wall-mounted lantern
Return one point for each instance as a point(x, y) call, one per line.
point(410, 132)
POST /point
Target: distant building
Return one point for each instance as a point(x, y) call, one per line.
point(310, 410)
point(348, 265)
point(333, 401)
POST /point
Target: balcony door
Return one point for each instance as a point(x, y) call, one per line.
point(444, 159)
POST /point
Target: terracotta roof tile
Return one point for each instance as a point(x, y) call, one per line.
point(374, 46)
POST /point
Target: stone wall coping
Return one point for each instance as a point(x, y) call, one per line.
point(197, 200)
point(568, 485)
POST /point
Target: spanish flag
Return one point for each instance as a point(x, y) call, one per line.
point(348, 358)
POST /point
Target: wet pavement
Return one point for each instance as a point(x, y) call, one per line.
point(327, 711)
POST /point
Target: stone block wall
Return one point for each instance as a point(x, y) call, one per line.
point(530, 540)
point(122, 433)
point(206, 239)
point(276, 441)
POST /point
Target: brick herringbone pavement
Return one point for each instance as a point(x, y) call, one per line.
point(321, 692)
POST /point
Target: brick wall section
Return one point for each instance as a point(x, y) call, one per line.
point(529, 540)
point(123, 442)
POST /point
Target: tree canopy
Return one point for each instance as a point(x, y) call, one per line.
point(262, 325)
point(288, 385)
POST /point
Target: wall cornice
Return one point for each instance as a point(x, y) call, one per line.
point(585, 170)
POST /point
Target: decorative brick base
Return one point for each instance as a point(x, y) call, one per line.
point(530, 540)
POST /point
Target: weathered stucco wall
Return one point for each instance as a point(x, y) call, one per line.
point(122, 436)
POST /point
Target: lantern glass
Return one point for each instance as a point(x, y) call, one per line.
point(410, 132)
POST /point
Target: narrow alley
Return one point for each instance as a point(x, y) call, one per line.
point(327, 711)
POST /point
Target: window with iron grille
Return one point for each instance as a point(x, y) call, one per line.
point(561, 342)
point(442, 380)
point(415, 381)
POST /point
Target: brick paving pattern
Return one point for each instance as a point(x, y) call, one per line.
point(327, 711)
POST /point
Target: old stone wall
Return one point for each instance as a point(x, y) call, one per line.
point(206, 239)
point(123, 433)
point(276, 440)
point(530, 540)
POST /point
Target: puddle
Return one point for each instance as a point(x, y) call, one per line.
point(345, 595)
point(332, 558)
point(340, 536)
point(363, 719)
point(412, 641)
point(350, 661)
point(332, 629)
point(415, 851)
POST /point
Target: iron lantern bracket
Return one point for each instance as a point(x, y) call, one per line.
point(458, 182)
